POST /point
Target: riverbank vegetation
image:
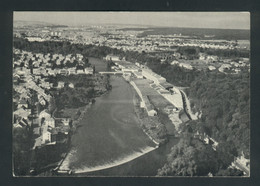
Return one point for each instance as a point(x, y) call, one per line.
point(226, 117)
point(150, 125)
point(78, 90)
point(192, 157)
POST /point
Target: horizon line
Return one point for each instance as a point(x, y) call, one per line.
point(130, 24)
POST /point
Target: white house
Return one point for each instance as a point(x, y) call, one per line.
point(46, 134)
point(71, 85)
point(89, 70)
point(60, 84)
point(174, 62)
point(212, 68)
point(49, 122)
point(22, 103)
point(44, 114)
point(112, 58)
point(187, 66)
point(65, 121)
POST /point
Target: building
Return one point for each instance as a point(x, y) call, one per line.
point(50, 122)
point(212, 68)
point(174, 62)
point(65, 121)
point(46, 134)
point(187, 66)
point(112, 58)
point(149, 74)
point(22, 103)
point(88, 70)
point(44, 114)
point(60, 84)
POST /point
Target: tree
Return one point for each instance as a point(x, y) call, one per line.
point(190, 157)
point(230, 172)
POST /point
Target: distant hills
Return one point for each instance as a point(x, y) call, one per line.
point(22, 24)
point(202, 33)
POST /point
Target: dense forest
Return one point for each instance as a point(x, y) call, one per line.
point(192, 157)
point(224, 101)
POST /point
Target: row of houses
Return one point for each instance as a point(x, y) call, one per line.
point(32, 97)
point(43, 64)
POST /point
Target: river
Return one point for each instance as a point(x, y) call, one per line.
point(109, 140)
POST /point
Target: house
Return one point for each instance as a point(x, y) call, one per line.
point(112, 58)
point(185, 65)
point(71, 85)
point(174, 62)
point(37, 131)
point(152, 112)
point(44, 114)
point(80, 71)
point(22, 103)
point(72, 71)
point(17, 125)
point(211, 68)
point(89, 70)
point(25, 122)
point(177, 55)
point(169, 109)
point(21, 113)
point(46, 134)
point(42, 101)
point(65, 121)
point(60, 84)
point(224, 67)
point(50, 122)
point(202, 56)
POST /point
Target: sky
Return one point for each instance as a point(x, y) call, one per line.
point(224, 20)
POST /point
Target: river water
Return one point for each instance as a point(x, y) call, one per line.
point(109, 140)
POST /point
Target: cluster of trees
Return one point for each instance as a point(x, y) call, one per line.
point(192, 157)
point(63, 47)
point(72, 97)
point(86, 88)
point(190, 52)
point(173, 73)
point(224, 102)
point(235, 53)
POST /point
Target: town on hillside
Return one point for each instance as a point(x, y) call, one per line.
point(186, 104)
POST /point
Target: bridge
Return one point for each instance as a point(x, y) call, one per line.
point(113, 73)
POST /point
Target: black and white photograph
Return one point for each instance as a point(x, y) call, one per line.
point(131, 94)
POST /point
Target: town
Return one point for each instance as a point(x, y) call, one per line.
point(41, 78)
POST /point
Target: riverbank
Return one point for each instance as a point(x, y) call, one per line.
point(64, 164)
point(118, 162)
point(108, 134)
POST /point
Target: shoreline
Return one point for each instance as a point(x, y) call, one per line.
point(127, 159)
point(65, 164)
